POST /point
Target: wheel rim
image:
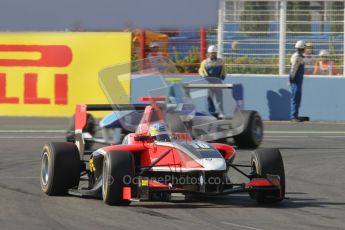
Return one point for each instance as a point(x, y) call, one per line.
point(45, 169)
point(258, 129)
point(105, 179)
point(255, 167)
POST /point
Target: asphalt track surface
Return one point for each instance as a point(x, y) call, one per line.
point(314, 157)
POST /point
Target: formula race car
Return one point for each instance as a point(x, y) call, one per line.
point(154, 162)
point(230, 124)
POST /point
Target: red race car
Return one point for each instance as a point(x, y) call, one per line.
point(155, 161)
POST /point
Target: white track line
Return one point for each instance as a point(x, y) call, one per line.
point(280, 139)
point(286, 136)
point(304, 132)
point(35, 137)
point(240, 226)
point(33, 131)
point(308, 123)
point(19, 177)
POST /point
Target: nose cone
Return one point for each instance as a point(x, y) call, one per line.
point(213, 164)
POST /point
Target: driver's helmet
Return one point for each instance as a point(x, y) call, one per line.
point(159, 131)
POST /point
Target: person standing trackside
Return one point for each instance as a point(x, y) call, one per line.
point(213, 70)
point(325, 66)
point(155, 59)
point(296, 79)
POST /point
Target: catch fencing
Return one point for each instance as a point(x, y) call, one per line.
point(258, 37)
point(254, 37)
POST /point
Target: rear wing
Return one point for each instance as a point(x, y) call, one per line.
point(81, 118)
point(115, 107)
point(81, 111)
point(237, 89)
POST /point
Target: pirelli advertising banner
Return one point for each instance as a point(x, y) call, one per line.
point(47, 74)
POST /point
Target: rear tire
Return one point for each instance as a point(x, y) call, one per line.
point(60, 168)
point(268, 161)
point(252, 134)
point(90, 127)
point(117, 166)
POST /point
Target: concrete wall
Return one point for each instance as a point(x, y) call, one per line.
point(323, 97)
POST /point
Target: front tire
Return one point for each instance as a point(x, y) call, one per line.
point(60, 168)
point(117, 166)
point(268, 161)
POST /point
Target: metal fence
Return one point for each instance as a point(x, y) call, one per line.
point(258, 37)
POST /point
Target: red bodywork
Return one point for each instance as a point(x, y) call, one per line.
point(149, 151)
point(80, 117)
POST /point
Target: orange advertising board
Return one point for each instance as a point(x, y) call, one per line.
point(47, 74)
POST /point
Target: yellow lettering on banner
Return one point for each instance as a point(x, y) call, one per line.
point(47, 74)
point(20, 55)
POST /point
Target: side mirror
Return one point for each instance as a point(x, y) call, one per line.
point(143, 138)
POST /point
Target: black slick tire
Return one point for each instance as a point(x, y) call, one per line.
point(117, 169)
point(252, 134)
point(60, 168)
point(268, 161)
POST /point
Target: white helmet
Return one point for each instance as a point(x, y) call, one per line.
point(300, 44)
point(212, 49)
point(154, 44)
point(324, 53)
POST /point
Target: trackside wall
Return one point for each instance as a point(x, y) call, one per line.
point(323, 96)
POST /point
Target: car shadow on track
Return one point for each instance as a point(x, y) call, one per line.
point(309, 202)
point(242, 201)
